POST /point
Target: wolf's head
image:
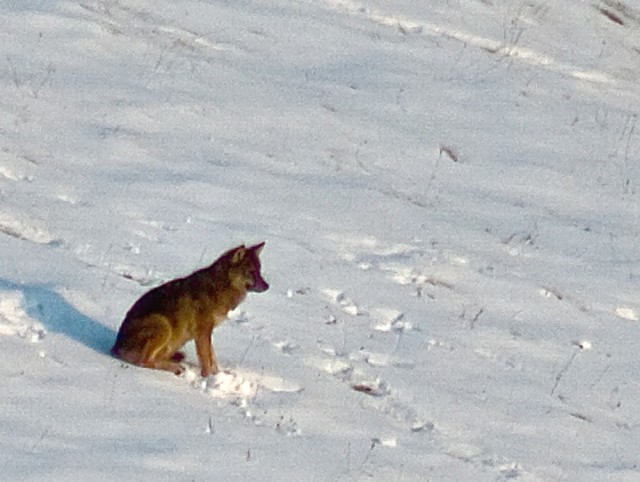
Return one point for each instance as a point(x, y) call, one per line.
point(244, 269)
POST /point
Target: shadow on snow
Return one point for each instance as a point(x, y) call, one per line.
point(59, 316)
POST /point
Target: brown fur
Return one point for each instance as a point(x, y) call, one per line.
point(188, 308)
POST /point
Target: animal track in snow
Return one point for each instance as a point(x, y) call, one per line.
point(355, 372)
point(338, 298)
point(390, 320)
point(367, 252)
point(358, 379)
point(404, 275)
point(426, 270)
point(404, 264)
point(376, 359)
point(555, 294)
point(241, 389)
point(287, 347)
point(137, 275)
point(31, 230)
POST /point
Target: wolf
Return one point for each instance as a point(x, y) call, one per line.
point(188, 308)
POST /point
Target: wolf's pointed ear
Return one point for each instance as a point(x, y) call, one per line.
point(257, 248)
point(238, 254)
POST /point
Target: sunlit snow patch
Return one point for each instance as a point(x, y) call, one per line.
point(385, 441)
point(14, 320)
point(277, 384)
point(231, 384)
point(240, 386)
point(627, 313)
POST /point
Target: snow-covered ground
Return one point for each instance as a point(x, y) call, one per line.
point(449, 192)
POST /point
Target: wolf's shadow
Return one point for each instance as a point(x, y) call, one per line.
point(59, 316)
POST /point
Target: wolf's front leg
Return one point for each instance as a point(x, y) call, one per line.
point(206, 354)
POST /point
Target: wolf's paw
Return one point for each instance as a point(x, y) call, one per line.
point(207, 372)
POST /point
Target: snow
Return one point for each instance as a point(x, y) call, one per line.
point(448, 192)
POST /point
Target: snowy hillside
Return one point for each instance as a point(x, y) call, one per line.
point(449, 192)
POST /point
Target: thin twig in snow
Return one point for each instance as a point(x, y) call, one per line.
point(562, 372)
